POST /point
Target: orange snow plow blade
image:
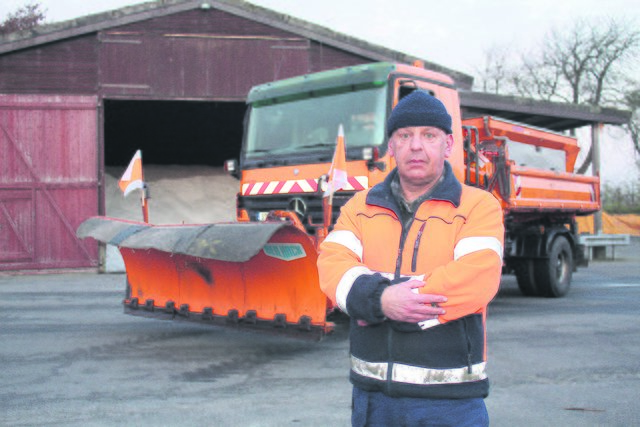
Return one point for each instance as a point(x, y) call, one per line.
point(255, 275)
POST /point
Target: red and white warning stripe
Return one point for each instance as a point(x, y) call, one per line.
point(355, 183)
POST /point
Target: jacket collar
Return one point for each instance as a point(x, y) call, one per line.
point(448, 190)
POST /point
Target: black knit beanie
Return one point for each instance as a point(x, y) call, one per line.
point(419, 109)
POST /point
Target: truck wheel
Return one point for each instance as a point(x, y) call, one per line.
point(553, 275)
point(525, 275)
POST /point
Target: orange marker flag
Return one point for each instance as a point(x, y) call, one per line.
point(132, 178)
point(338, 170)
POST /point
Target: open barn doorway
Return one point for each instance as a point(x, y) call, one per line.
point(184, 145)
point(172, 132)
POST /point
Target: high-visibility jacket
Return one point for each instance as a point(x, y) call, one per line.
point(454, 244)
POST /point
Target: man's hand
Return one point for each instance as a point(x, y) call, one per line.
point(400, 302)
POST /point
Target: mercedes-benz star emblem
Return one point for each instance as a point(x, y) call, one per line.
point(298, 206)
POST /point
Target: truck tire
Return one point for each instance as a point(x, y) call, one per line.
point(525, 275)
point(553, 275)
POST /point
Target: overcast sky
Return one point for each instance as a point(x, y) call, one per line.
point(453, 33)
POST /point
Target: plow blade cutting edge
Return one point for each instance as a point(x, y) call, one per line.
point(256, 275)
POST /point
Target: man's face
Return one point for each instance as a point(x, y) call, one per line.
point(420, 152)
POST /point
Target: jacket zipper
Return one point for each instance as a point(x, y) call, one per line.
point(416, 246)
point(390, 332)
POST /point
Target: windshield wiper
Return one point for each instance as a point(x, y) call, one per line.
point(267, 150)
point(317, 145)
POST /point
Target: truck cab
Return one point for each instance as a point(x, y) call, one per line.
point(292, 125)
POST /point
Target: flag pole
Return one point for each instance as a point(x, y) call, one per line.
point(145, 205)
point(144, 195)
point(327, 213)
point(336, 179)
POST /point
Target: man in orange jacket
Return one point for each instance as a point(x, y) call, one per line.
point(414, 262)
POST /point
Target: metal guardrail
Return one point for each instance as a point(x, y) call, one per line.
point(596, 244)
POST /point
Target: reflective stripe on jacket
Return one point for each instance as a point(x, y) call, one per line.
point(454, 244)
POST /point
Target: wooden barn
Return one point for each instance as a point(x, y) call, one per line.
point(169, 77)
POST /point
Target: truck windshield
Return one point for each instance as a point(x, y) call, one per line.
point(311, 123)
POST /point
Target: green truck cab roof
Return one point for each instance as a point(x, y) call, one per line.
point(339, 80)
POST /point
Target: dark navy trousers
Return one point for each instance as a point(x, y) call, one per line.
point(375, 409)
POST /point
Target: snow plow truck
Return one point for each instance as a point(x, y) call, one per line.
point(260, 270)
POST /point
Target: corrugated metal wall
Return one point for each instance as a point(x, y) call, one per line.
point(66, 67)
point(48, 180)
point(195, 66)
point(323, 57)
point(205, 55)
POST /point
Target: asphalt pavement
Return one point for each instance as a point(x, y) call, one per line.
point(70, 357)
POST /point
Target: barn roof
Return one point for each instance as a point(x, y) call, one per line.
point(155, 9)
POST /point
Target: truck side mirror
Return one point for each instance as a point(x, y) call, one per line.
point(372, 155)
point(231, 167)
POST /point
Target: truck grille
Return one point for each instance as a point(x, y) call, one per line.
point(308, 207)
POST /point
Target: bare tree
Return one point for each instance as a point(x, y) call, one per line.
point(587, 63)
point(583, 63)
point(631, 99)
point(536, 79)
point(24, 18)
point(495, 71)
point(603, 61)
